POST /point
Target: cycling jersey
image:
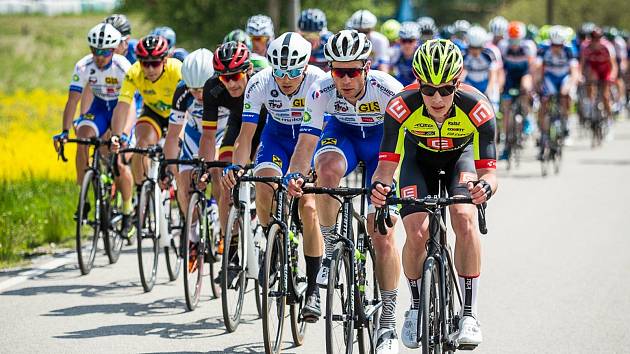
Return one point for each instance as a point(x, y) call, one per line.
point(380, 49)
point(217, 98)
point(179, 54)
point(317, 54)
point(402, 67)
point(516, 58)
point(556, 68)
point(258, 61)
point(471, 121)
point(131, 51)
point(597, 58)
point(478, 68)
point(158, 95)
point(284, 116)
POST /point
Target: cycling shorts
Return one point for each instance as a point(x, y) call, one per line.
point(232, 130)
point(98, 117)
point(159, 123)
point(601, 72)
point(553, 85)
point(482, 86)
point(190, 146)
point(275, 148)
point(513, 79)
point(419, 173)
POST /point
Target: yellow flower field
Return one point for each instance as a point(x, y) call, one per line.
point(27, 122)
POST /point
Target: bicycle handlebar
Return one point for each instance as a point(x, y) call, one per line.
point(341, 191)
point(89, 141)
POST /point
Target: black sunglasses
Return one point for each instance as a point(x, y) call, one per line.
point(428, 90)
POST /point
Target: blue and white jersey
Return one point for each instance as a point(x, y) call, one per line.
point(317, 54)
point(402, 67)
point(105, 83)
point(478, 67)
point(516, 58)
point(557, 64)
point(380, 49)
point(284, 112)
point(131, 51)
point(323, 99)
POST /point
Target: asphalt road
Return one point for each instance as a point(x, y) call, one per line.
point(554, 280)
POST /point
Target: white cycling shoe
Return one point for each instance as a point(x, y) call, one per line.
point(410, 329)
point(322, 275)
point(469, 332)
point(387, 342)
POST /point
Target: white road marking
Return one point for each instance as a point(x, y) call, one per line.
point(21, 277)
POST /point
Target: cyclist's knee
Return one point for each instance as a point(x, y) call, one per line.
point(85, 132)
point(331, 174)
point(463, 220)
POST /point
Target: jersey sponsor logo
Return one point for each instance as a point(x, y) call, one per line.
point(423, 125)
point(481, 113)
point(367, 119)
point(296, 114)
point(307, 117)
point(398, 109)
point(148, 92)
point(276, 160)
point(275, 104)
point(488, 163)
point(383, 88)
point(92, 80)
point(329, 141)
point(465, 177)
point(298, 103)
point(369, 107)
point(423, 132)
point(75, 77)
point(111, 80)
point(162, 106)
point(409, 192)
point(247, 105)
point(340, 107)
point(88, 116)
point(453, 122)
point(455, 129)
point(440, 143)
point(274, 93)
point(315, 95)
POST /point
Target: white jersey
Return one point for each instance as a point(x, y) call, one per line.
point(380, 48)
point(323, 99)
point(105, 83)
point(262, 90)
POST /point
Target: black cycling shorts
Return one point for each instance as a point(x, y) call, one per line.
point(419, 173)
point(232, 130)
point(159, 123)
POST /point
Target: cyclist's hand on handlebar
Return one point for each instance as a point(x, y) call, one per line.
point(60, 139)
point(230, 176)
point(203, 181)
point(115, 143)
point(379, 193)
point(480, 191)
point(294, 181)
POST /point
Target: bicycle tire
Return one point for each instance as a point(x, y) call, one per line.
point(147, 242)
point(369, 296)
point(431, 310)
point(173, 250)
point(340, 287)
point(298, 281)
point(234, 264)
point(87, 240)
point(449, 311)
point(213, 256)
point(113, 240)
point(272, 282)
point(193, 278)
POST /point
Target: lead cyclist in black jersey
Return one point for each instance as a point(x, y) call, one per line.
point(442, 124)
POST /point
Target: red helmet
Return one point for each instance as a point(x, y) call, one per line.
point(231, 57)
point(152, 47)
point(516, 30)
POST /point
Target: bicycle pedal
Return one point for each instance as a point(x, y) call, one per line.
point(467, 347)
point(275, 293)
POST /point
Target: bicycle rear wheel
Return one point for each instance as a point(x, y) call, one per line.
point(88, 222)
point(369, 298)
point(233, 279)
point(147, 228)
point(193, 251)
point(273, 296)
point(113, 240)
point(298, 288)
point(339, 311)
point(173, 250)
point(431, 308)
point(212, 250)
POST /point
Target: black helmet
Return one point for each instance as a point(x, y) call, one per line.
point(120, 22)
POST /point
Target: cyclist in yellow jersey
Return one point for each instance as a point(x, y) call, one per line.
point(156, 77)
point(439, 124)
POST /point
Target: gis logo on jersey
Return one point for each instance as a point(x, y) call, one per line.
point(329, 141)
point(298, 103)
point(369, 107)
point(111, 80)
point(276, 160)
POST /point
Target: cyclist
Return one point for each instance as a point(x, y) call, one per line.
point(427, 27)
point(498, 27)
point(365, 22)
point(260, 30)
point(480, 64)
point(560, 74)
point(390, 29)
point(127, 45)
point(402, 54)
point(233, 69)
point(312, 24)
point(187, 114)
point(173, 51)
point(156, 77)
point(282, 90)
point(518, 56)
point(460, 28)
point(599, 64)
point(103, 71)
point(621, 53)
point(355, 97)
point(445, 125)
point(238, 35)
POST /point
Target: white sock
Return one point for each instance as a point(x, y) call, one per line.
point(469, 287)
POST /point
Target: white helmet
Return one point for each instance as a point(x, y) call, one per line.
point(197, 68)
point(477, 36)
point(289, 51)
point(260, 25)
point(557, 35)
point(409, 30)
point(498, 26)
point(461, 26)
point(363, 20)
point(347, 45)
point(104, 36)
point(427, 24)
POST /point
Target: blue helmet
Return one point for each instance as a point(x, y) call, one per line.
point(167, 33)
point(312, 20)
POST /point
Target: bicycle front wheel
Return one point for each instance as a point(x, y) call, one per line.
point(339, 311)
point(212, 248)
point(113, 240)
point(233, 280)
point(88, 222)
point(273, 292)
point(147, 227)
point(173, 250)
point(369, 297)
point(298, 286)
point(431, 308)
point(194, 249)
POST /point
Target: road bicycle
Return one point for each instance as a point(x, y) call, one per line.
point(552, 138)
point(440, 295)
point(514, 140)
point(99, 211)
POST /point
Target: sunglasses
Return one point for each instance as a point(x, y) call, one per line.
point(311, 36)
point(260, 38)
point(407, 41)
point(102, 52)
point(151, 63)
point(428, 90)
point(292, 74)
point(339, 73)
point(231, 77)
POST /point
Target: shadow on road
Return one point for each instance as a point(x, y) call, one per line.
point(606, 162)
point(163, 307)
point(83, 290)
point(255, 347)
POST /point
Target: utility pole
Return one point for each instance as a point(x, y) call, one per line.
point(550, 12)
point(294, 14)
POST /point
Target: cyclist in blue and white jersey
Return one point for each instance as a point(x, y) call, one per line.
point(173, 51)
point(103, 72)
point(364, 21)
point(282, 89)
point(460, 29)
point(480, 64)
point(428, 29)
point(313, 27)
point(402, 53)
point(260, 30)
point(356, 98)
